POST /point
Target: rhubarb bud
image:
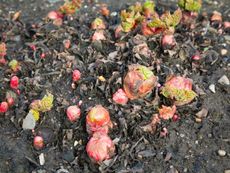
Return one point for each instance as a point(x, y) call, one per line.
point(104, 10)
point(43, 105)
point(3, 107)
point(73, 113)
point(2, 50)
point(53, 15)
point(14, 82)
point(168, 41)
point(100, 147)
point(38, 142)
point(179, 89)
point(139, 81)
point(98, 120)
point(10, 97)
point(120, 97)
point(98, 35)
point(14, 65)
point(167, 112)
point(76, 75)
point(98, 24)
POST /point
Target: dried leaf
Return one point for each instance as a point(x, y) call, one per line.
point(2, 49)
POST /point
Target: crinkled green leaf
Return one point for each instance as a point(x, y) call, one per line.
point(179, 95)
point(149, 5)
point(190, 5)
point(43, 105)
point(146, 72)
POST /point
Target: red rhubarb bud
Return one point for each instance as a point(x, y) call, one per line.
point(38, 142)
point(98, 35)
point(10, 97)
point(179, 89)
point(3, 107)
point(98, 24)
point(98, 120)
point(100, 147)
point(168, 41)
point(76, 75)
point(104, 10)
point(53, 15)
point(167, 112)
point(139, 81)
point(14, 82)
point(120, 97)
point(73, 113)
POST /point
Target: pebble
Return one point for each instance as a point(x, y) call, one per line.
point(221, 153)
point(224, 80)
point(198, 120)
point(41, 159)
point(202, 113)
point(212, 88)
point(223, 52)
point(227, 37)
point(113, 14)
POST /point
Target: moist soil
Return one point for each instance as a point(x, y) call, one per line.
point(190, 146)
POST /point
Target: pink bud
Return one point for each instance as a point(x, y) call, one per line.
point(168, 41)
point(120, 97)
point(100, 147)
point(10, 101)
point(226, 25)
point(33, 47)
point(43, 55)
point(3, 107)
point(76, 75)
point(196, 57)
point(3, 61)
point(73, 113)
point(164, 132)
point(14, 82)
point(38, 142)
point(175, 117)
point(98, 35)
point(67, 43)
point(54, 15)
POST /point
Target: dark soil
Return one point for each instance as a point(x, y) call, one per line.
point(190, 146)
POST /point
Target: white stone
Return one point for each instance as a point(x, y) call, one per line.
point(221, 153)
point(41, 159)
point(212, 88)
point(224, 80)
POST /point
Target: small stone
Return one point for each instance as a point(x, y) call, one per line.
point(41, 159)
point(212, 88)
point(227, 37)
point(198, 120)
point(223, 52)
point(202, 113)
point(224, 80)
point(29, 122)
point(221, 153)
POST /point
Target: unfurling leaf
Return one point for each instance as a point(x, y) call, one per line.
point(43, 105)
point(148, 8)
point(179, 89)
point(190, 5)
point(35, 114)
point(70, 7)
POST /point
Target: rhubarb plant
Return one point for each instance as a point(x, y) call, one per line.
point(139, 81)
point(43, 105)
point(167, 22)
point(179, 89)
point(68, 8)
point(190, 11)
point(190, 5)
